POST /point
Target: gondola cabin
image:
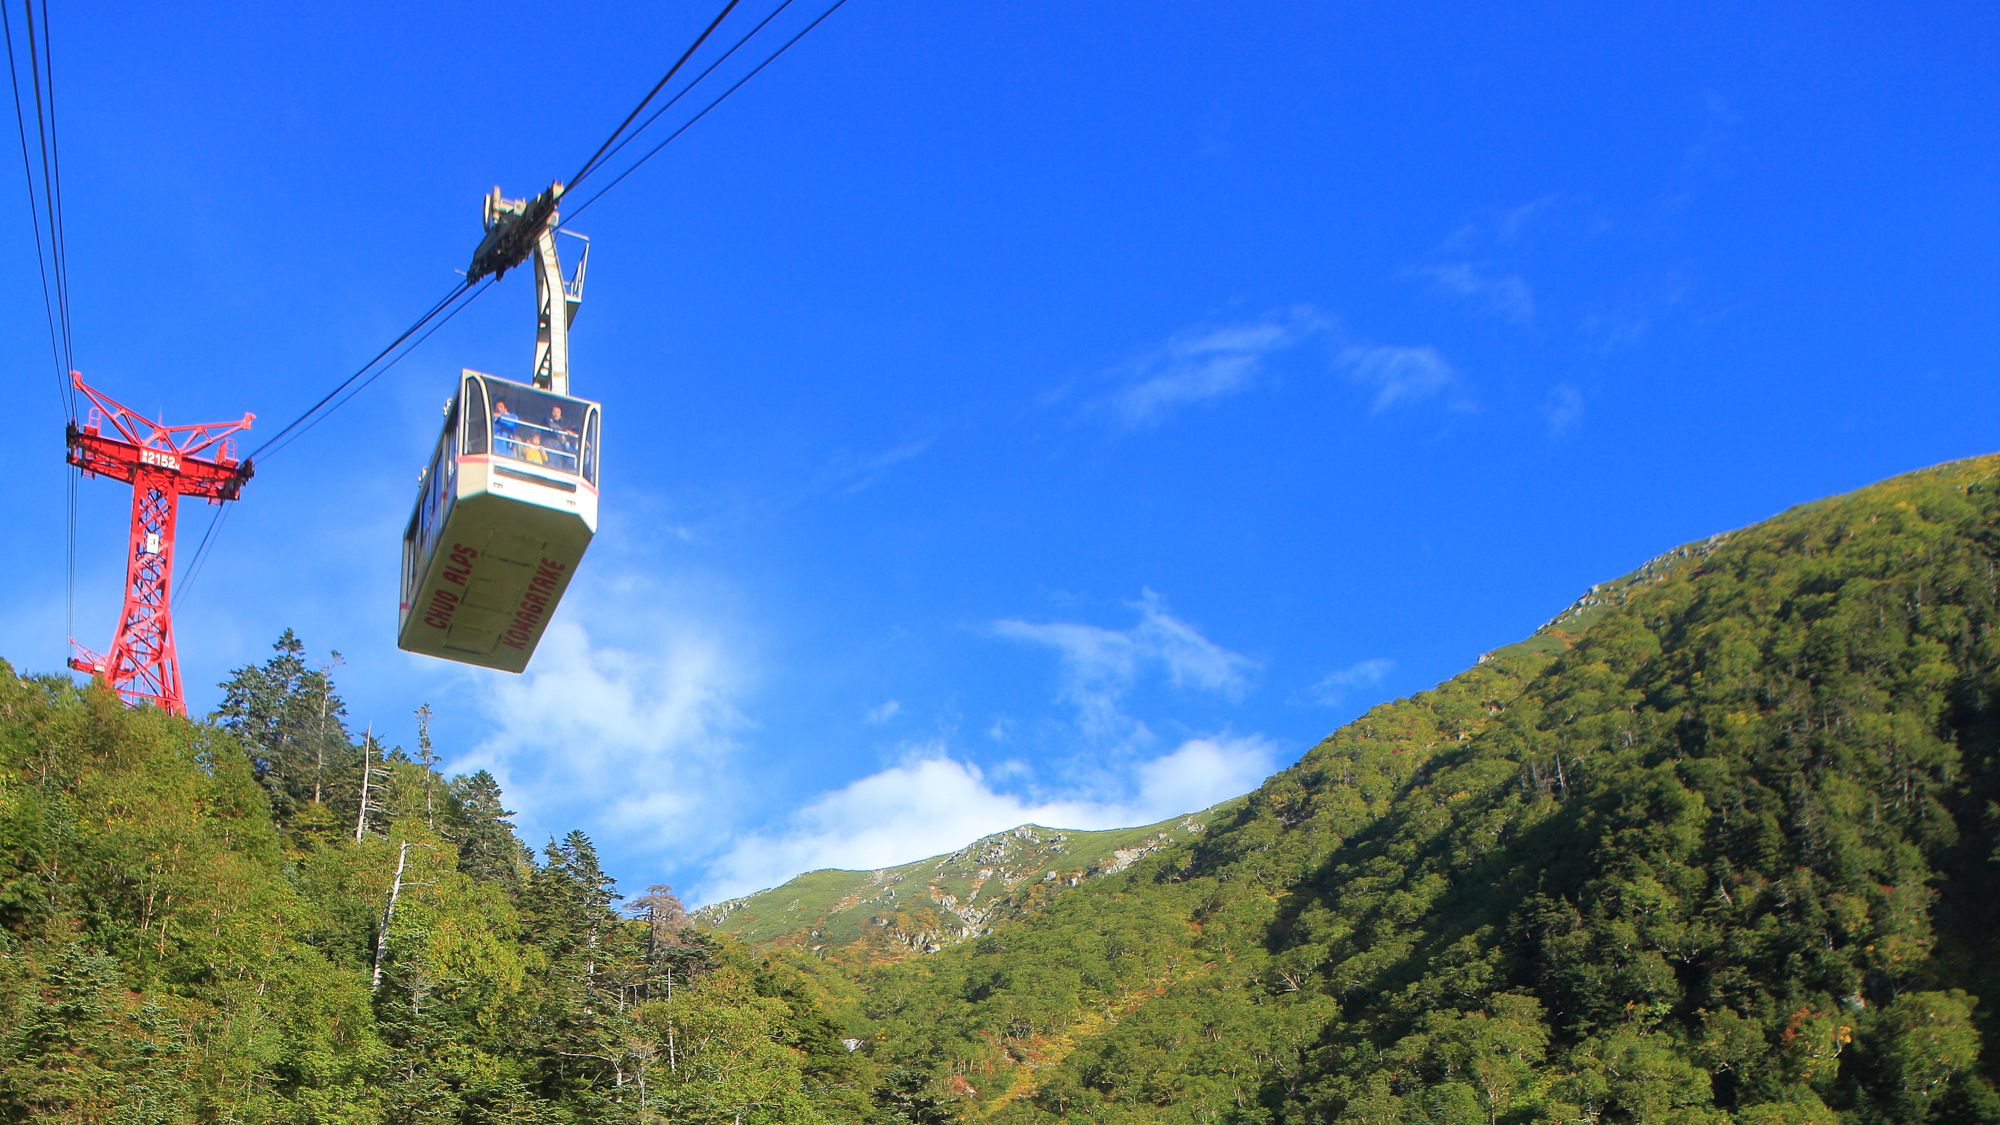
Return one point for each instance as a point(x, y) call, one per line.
point(504, 513)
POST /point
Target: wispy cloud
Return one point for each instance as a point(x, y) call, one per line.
point(1334, 688)
point(1564, 408)
point(849, 474)
point(1400, 375)
point(1501, 228)
point(1100, 665)
point(1507, 296)
point(1207, 362)
point(933, 803)
point(885, 712)
point(1628, 321)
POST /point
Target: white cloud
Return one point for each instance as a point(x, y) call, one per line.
point(1398, 374)
point(1334, 687)
point(1507, 297)
point(618, 742)
point(1208, 362)
point(935, 803)
point(1100, 665)
point(885, 712)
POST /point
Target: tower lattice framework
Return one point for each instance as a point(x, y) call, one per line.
point(162, 463)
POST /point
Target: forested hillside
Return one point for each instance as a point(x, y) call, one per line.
point(264, 920)
point(1719, 844)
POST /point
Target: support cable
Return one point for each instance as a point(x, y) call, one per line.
point(67, 392)
point(59, 244)
point(201, 550)
point(692, 83)
point(308, 413)
point(654, 151)
point(215, 523)
point(69, 557)
point(43, 70)
point(384, 369)
point(592, 164)
point(52, 258)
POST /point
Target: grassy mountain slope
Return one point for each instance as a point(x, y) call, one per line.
point(1716, 844)
point(932, 903)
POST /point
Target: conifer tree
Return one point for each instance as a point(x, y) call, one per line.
point(488, 850)
point(291, 723)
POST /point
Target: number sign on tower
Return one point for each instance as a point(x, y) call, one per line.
point(162, 463)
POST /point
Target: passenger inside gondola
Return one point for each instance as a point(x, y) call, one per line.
point(562, 430)
point(535, 427)
point(505, 425)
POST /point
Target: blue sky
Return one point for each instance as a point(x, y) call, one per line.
point(1055, 412)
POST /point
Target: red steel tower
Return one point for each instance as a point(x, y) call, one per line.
point(162, 463)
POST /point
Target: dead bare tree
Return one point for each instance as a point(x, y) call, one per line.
point(367, 775)
point(429, 758)
point(666, 920)
point(396, 886)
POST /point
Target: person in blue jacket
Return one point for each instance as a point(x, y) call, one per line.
point(505, 426)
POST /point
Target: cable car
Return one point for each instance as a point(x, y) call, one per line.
point(508, 504)
point(504, 513)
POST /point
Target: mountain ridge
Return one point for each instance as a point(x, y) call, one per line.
point(741, 918)
point(929, 904)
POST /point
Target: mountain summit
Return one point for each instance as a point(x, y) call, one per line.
point(933, 903)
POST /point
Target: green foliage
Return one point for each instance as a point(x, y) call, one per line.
point(191, 931)
point(1717, 844)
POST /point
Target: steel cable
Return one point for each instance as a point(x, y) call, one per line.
point(201, 550)
point(309, 411)
point(52, 258)
point(592, 164)
point(212, 534)
point(42, 263)
point(684, 90)
point(697, 81)
point(275, 446)
point(51, 171)
point(654, 151)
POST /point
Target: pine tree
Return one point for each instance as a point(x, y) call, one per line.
point(291, 724)
point(57, 1054)
point(571, 897)
point(666, 917)
point(905, 1098)
point(487, 847)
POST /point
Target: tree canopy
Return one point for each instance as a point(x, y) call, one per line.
point(210, 922)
